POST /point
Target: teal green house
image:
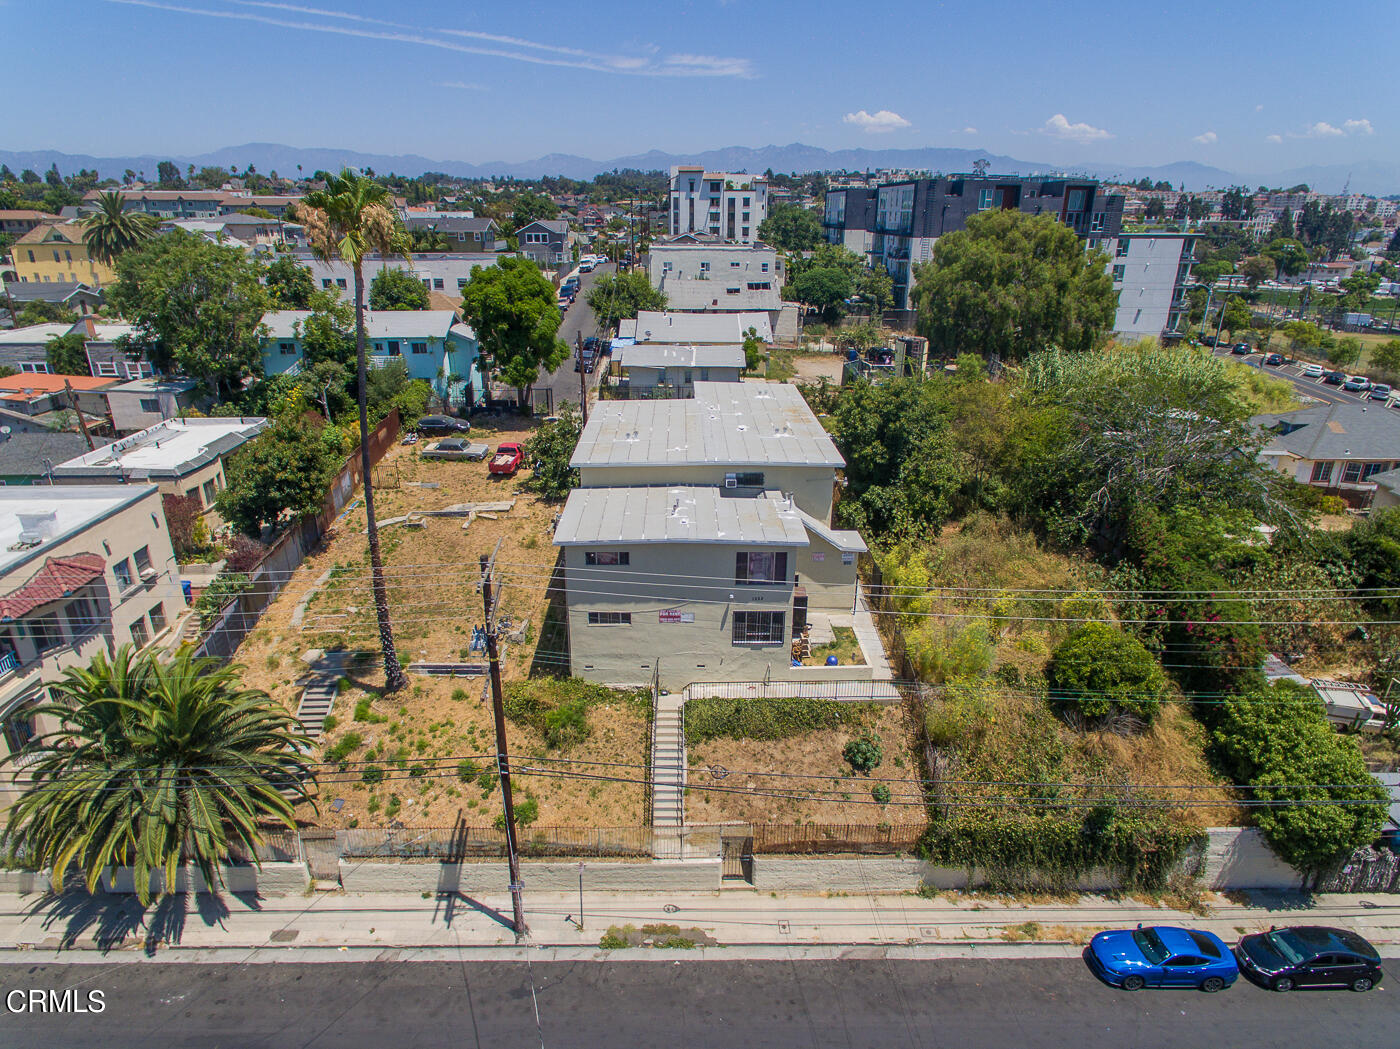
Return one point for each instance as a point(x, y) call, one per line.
point(434, 345)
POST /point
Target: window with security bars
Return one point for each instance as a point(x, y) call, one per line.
point(609, 618)
point(758, 628)
point(606, 557)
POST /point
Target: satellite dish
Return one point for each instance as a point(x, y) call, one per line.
point(4, 431)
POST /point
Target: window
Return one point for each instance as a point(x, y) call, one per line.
point(758, 628)
point(1371, 469)
point(55, 256)
point(461, 283)
point(744, 233)
point(1351, 473)
point(340, 283)
point(45, 632)
point(665, 267)
point(394, 348)
point(158, 618)
point(418, 347)
point(1096, 222)
point(31, 257)
point(35, 367)
point(437, 284)
point(704, 267)
point(68, 257)
point(1076, 200)
point(150, 404)
point(82, 616)
point(427, 283)
point(107, 368)
point(140, 636)
point(609, 618)
point(287, 349)
point(607, 557)
point(756, 568)
point(734, 265)
point(1118, 272)
point(142, 558)
point(764, 267)
point(325, 282)
point(1206, 947)
point(209, 490)
point(984, 199)
point(760, 285)
point(122, 571)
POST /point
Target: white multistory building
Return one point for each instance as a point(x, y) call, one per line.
point(720, 203)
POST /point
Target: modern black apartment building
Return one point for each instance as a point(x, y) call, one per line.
point(895, 224)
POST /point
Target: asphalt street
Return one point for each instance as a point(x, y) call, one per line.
point(578, 320)
point(672, 1003)
point(1314, 388)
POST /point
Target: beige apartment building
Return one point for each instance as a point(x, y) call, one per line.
point(698, 547)
point(83, 570)
point(181, 456)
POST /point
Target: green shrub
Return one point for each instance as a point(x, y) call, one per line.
point(392, 809)
point(418, 770)
point(363, 712)
point(864, 753)
point(372, 774)
point(1099, 671)
point(344, 747)
point(613, 940)
point(526, 812)
point(459, 694)
point(881, 794)
point(467, 770)
point(557, 709)
point(707, 719)
point(329, 723)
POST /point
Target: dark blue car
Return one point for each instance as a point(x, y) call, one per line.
point(1162, 956)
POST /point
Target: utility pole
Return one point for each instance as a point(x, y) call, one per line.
point(73, 400)
point(502, 756)
point(582, 376)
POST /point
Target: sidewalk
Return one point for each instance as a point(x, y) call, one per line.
point(734, 918)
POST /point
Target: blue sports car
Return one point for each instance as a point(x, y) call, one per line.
point(1162, 956)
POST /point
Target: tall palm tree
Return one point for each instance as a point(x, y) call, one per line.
point(112, 230)
point(346, 220)
point(153, 765)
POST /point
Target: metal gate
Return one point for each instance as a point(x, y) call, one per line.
point(736, 857)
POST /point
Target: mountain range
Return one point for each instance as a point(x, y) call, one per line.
point(1364, 177)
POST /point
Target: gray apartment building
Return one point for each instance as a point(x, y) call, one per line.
point(897, 223)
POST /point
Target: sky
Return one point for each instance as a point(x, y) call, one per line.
point(1248, 86)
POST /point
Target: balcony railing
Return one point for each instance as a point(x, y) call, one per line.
point(8, 662)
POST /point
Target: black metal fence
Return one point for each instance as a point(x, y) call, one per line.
point(450, 844)
point(817, 838)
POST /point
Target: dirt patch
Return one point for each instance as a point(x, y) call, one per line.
point(813, 367)
point(435, 602)
point(744, 793)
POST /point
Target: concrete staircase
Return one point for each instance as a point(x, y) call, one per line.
point(668, 765)
point(316, 701)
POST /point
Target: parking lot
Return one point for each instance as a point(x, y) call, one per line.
point(1315, 388)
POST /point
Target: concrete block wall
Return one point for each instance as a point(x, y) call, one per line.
point(274, 879)
point(546, 876)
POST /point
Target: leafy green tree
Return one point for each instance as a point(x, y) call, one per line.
point(790, 228)
point(111, 231)
point(825, 289)
point(1289, 256)
point(397, 289)
point(67, 354)
point(1387, 356)
point(874, 287)
point(1279, 739)
point(514, 311)
point(1257, 269)
point(155, 764)
point(1346, 351)
point(347, 220)
point(1197, 297)
point(197, 307)
point(168, 175)
point(285, 470)
point(290, 285)
point(754, 349)
point(40, 312)
point(548, 452)
point(1156, 210)
point(1237, 316)
point(1011, 284)
point(528, 207)
point(327, 333)
point(1099, 672)
point(614, 296)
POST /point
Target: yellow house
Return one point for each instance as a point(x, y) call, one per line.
point(56, 254)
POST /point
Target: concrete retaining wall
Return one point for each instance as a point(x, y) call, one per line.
point(1238, 858)
point(555, 876)
point(275, 879)
point(24, 881)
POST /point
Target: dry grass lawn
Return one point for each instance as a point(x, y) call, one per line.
point(435, 602)
point(752, 764)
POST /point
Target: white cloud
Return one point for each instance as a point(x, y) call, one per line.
point(1358, 127)
point(492, 45)
point(1207, 138)
point(1274, 138)
point(462, 85)
point(1322, 129)
point(1259, 108)
point(877, 123)
point(969, 131)
point(1058, 127)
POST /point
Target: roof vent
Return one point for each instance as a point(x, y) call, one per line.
point(37, 525)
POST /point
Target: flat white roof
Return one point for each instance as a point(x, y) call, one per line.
point(64, 512)
point(379, 324)
point(168, 449)
point(594, 516)
point(667, 355)
point(34, 334)
point(725, 423)
point(658, 326)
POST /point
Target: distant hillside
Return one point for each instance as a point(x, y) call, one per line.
point(795, 158)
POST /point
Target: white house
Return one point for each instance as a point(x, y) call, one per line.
point(650, 367)
point(1149, 271)
point(724, 204)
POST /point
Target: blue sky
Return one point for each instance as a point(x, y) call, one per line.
point(1251, 86)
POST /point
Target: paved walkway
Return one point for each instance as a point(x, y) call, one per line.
point(733, 918)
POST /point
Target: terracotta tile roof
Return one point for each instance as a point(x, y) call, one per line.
point(29, 385)
point(59, 577)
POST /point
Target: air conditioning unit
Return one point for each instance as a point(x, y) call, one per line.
point(731, 481)
point(148, 575)
point(36, 526)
